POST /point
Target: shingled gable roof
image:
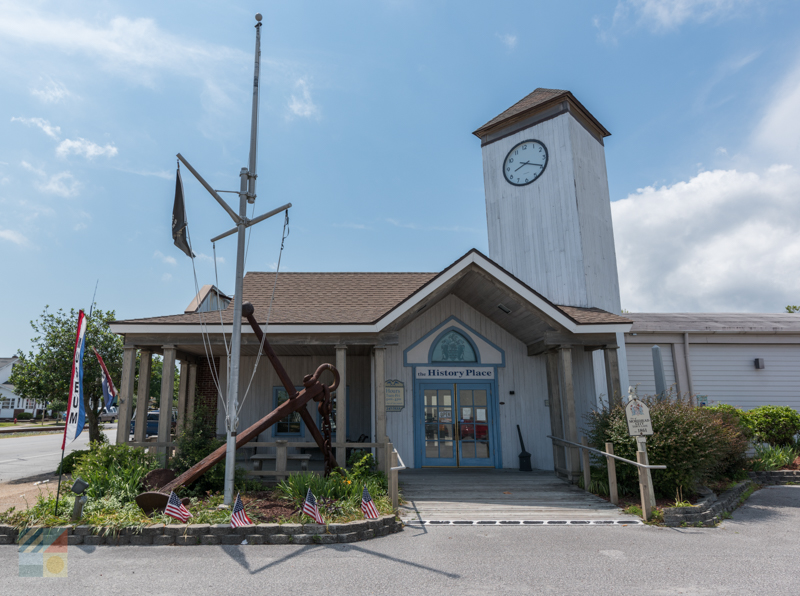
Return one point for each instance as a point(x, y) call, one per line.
point(538, 101)
point(355, 298)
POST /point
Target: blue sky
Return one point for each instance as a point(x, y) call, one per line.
point(367, 111)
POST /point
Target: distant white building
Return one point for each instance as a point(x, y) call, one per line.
point(11, 404)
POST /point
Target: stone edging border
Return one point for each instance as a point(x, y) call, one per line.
point(776, 477)
point(709, 511)
point(206, 534)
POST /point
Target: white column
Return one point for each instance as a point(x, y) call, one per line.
point(125, 405)
point(341, 405)
point(380, 398)
point(182, 390)
point(165, 408)
point(143, 395)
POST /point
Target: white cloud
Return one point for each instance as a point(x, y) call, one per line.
point(510, 41)
point(164, 258)
point(50, 130)
point(80, 226)
point(723, 241)
point(303, 106)
point(778, 133)
point(13, 236)
point(209, 259)
point(62, 184)
point(166, 277)
point(413, 226)
point(668, 14)
point(53, 92)
point(81, 146)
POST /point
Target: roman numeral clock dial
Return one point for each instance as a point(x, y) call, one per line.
point(525, 162)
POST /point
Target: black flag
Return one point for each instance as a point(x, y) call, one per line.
point(179, 218)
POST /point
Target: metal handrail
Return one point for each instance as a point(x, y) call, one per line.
point(402, 466)
point(604, 454)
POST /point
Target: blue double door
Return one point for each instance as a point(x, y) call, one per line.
point(457, 429)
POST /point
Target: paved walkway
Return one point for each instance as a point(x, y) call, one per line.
point(474, 494)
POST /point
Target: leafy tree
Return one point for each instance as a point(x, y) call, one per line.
point(44, 373)
point(792, 309)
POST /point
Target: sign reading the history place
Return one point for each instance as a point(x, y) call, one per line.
point(395, 395)
point(455, 373)
point(638, 415)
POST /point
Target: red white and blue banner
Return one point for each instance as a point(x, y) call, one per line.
point(76, 414)
point(109, 391)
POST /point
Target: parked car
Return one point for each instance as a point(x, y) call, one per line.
point(109, 414)
point(152, 422)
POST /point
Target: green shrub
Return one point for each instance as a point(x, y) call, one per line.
point(24, 416)
point(696, 444)
point(773, 457)
point(776, 425)
point(741, 416)
point(114, 471)
point(197, 441)
point(70, 461)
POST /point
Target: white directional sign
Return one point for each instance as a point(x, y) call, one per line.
point(638, 416)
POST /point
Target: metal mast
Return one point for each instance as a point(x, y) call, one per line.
point(247, 193)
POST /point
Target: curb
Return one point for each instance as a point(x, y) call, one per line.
point(777, 477)
point(205, 534)
point(710, 510)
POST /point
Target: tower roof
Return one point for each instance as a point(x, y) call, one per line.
point(539, 101)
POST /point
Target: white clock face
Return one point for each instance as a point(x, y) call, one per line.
point(525, 162)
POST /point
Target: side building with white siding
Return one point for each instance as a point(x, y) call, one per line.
point(745, 360)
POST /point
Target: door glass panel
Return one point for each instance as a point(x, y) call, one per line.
point(482, 432)
point(431, 431)
point(431, 449)
point(446, 415)
point(447, 399)
point(480, 414)
point(482, 449)
point(430, 415)
point(465, 397)
point(446, 449)
point(446, 431)
point(480, 397)
point(430, 397)
point(467, 431)
point(468, 449)
point(466, 414)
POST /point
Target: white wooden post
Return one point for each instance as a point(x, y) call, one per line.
point(571, 419)
point(393, 480)
point(183, 386)
point(143, 396)
point(126, 394)
point(386, 458)
point(641, 446)
point(165, 406)
point(644, 489)
point(280, 458)
point(587, 474)
point(612, 475)
point(380, 401)
point(341, 405)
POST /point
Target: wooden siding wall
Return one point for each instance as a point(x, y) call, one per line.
point(594, 212)
point(259, 401)
point(640, 368)
point(727, 374)
point(555, 234)
point(522, 374)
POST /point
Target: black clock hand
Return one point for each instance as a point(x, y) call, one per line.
point(524, 163)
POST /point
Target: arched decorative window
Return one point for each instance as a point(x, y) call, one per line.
point(453, 347)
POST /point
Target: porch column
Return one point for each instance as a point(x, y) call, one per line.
point(341, 405)
point(570, 417)
point(143, 397)
point(165, 407)
point(380, 399)
point(556, 423)
point(614, 387)
point(182, 387)
point(191, 389)
point(125, 405)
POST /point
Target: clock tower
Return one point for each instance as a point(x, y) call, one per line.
point(547, 204)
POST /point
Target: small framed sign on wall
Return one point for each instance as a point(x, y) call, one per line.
point(395, 395)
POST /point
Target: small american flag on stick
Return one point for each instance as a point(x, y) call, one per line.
point(176, 509)
point(310, 507)
point(367, 506)
point(239, 517)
